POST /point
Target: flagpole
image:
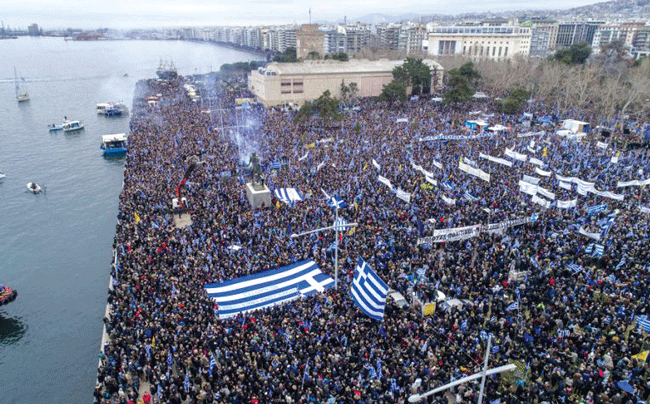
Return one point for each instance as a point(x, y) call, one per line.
point(485, 368)
point(336, 252)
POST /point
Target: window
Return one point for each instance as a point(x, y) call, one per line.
point(506, 52)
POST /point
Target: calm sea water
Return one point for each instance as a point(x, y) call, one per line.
point(55, 248)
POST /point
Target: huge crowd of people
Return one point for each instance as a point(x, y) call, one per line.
point(555, 305)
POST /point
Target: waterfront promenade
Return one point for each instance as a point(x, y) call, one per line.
point(573, 333)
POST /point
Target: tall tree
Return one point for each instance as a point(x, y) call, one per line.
point(414, 74)
point(576, 54)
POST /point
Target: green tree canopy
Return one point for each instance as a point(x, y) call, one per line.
point(414, 73)
point(393, 91)
point(288, 56)
point(514, 102)
point(576, 54)
point(461, 83)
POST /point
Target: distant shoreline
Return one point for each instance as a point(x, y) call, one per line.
point(230, 46)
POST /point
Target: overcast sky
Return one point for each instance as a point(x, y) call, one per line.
point(166, 13)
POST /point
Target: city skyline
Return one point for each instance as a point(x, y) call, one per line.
point(58, 14)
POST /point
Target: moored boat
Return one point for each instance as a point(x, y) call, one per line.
point(7, 295)
point(114, 145)
point(34, 187)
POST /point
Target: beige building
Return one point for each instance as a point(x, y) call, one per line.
point(480, 42)
point(296, 83)
point(309, 39)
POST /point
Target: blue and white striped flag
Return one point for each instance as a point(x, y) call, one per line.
point(275, 165)
point(620, 263)
point(378, 366)
point(213, 364)
point(598, 250)
point(186, 383)
point(575, 268)
point(369, 291)
point(470, 196)
point(268, 288)
point(589, 249)
point(336, 202)
point(464, 325)
point(643, 323)
point(287, 195)
point(170, 358)
point(592, 210)
point(513, 306)
point(339, 224)
point(495, 349)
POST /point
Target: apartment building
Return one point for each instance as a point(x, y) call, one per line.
point(569, 33)
point(623, 32)
point(543, 38)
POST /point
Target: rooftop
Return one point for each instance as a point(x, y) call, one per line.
point(334, 66)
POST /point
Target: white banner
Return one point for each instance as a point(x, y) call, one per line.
point(546, 193)
point(614, 159)
point(420, 169)
point(567, 204)
point(448, 201)
point(527, 188)
point(405, 196)
point(531, 180)
point(431, 181)
point(543, 202)
point(537, 162)
point(385, 181)
point(304, 157)
point(474, 171)
point(377, 166)
point(608, 194)
point(638, 183)
point(532, 189)
point(320, 166)
point(542, 172)
point(437, 164)
point(529, 134)
point(496, 159)
point(565, 185)
point(595, 236)
point(644, 209)
point(514, 155)
point(449, 237)
point(461, 233)
point(442, 232)
point(601, 145)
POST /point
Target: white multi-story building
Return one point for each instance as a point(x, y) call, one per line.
point(480, 42)
point(623, 32)
point(411, 39)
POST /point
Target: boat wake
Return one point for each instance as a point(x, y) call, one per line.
point(54, 79)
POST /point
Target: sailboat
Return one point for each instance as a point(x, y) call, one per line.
point(20, 96)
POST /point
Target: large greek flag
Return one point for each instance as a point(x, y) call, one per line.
point(287, 195)
point(369, 291)
point(268, 288)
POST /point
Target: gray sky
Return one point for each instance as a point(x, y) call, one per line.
point(165, 13)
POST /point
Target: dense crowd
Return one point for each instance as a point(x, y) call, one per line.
point(573, 334)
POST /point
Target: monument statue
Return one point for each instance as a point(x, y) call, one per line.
point(256, 170)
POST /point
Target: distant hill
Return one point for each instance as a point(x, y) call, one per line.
point(615, 9)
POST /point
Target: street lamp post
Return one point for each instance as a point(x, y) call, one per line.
point(336, 228)
point(482, 374)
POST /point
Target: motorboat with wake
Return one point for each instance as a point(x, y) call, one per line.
point(7, 295)
point(34, 188)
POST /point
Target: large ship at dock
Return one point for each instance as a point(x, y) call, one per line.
point(166, 70)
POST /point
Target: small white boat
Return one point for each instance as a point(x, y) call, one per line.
point(33, 187)
point(102, 107)
point(72, 126)
point(20, 96)
point(2, 175)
